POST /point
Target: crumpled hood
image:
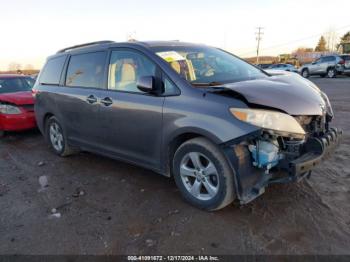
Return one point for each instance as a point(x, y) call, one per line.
point(18, 98)
point(290, 93)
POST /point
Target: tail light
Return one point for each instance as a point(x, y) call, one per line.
point(341, 62)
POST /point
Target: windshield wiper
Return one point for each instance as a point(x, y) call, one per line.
point(214, 83)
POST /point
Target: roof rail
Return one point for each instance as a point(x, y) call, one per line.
point(84, 45)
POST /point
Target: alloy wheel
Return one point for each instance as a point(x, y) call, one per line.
point(305, 73)
point(56, 136)
point(199, 176)
point(331, 73)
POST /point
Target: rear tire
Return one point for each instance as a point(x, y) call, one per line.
point(57, 138)
point(203, 175)
point(331, 73)
point(305, 73)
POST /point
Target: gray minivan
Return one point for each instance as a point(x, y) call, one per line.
point(223, 128)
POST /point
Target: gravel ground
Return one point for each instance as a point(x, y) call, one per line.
point(87, 204)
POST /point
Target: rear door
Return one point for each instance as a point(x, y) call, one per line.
point(78, 100)
point(329, 61)
point(130, 120)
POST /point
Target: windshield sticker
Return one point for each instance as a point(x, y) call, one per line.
point(170, 56)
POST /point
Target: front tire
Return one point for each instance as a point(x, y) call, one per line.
point(203, 174)
point(57, 139)
point(305, 73)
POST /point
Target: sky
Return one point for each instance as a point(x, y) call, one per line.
point(31, 30)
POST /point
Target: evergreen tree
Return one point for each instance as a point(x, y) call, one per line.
point(322, 45)
point(345, 38)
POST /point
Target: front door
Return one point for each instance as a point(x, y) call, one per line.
point(131, 120)
point(315, 67)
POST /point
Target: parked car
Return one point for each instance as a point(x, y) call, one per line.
point(264, 66)
point(284, 67)
point(346, 59)
point(221, 127)
point(16, 103)
point(329, 66)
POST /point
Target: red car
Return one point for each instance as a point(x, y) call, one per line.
point(16, 103)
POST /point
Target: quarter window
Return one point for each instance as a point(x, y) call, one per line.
point(86, 70)
point(51, 73)
point(126, 67)
point(170, 88)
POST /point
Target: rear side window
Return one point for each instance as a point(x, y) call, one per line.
point(329, 59)
point(86, 70)
point(51, 73)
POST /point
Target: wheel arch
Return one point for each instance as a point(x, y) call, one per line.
point(46, 117)
point(177, 140)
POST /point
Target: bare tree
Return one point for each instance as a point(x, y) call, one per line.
point(332, 38)
point(131, 36)
point(15, 66)
point(28, 67)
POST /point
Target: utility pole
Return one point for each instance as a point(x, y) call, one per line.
point(258, 38)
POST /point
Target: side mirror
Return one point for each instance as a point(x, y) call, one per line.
point(146, 84)
point(313, 63)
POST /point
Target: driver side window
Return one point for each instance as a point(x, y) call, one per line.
point(126, 67)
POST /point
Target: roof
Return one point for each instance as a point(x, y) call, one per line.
point(165, 43)
point(106, 44)
point(12, 75)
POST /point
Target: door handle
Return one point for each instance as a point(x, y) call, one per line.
point(106, 101)
point(91, 99)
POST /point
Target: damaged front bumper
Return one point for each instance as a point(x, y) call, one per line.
point(317, 149)
point(250, 181)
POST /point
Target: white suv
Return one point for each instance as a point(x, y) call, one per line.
point(328, 66)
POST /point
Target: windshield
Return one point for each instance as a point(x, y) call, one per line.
point(15, 84)
point(207, 66)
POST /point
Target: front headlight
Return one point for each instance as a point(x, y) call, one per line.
point(9, 109)
point(270, 120)
point(329, 108)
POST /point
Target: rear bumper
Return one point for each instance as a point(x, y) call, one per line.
point(25, 120)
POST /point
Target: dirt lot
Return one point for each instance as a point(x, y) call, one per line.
point(107, 207)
